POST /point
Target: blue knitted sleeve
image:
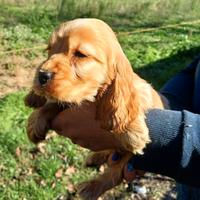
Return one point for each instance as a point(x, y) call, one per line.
point(174, 150)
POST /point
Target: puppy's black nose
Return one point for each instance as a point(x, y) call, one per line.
point(44, 77)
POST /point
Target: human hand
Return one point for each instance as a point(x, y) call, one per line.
point(79, 124)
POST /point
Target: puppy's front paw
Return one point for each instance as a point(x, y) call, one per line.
point(33, 100)
point(90, 190)
point(37, 127)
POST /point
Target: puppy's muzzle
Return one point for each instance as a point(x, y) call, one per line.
point(44, 77)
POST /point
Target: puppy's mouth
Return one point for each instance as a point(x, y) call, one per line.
point(62, 104)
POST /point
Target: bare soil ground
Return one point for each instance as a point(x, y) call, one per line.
point(17, 73)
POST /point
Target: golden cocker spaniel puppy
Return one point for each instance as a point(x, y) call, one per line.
point(86, 63)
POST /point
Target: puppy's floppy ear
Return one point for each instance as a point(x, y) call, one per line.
point(119, 102)
point(122, 106)
point(33, 100)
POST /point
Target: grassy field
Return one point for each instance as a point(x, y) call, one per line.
point(51, 170)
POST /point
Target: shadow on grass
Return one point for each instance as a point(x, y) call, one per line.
point(162, 70)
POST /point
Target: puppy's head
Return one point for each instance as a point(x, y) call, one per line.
point(80, 53)
point(86, 63)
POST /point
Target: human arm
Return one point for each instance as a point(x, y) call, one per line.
point(175, 141)
point(79, 124)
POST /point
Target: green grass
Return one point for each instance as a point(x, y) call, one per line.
point(140, 12)
point(158, 55)
point(27, 173)
point(24, 27)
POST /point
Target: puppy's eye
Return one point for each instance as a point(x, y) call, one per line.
point(79, 54)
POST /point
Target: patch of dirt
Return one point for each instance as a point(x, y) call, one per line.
point(17, 73)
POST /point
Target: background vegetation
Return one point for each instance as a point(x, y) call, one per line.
point(159, 37)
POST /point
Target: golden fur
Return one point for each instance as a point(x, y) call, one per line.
point(89, 65)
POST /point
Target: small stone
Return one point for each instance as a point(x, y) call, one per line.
point(141, 190)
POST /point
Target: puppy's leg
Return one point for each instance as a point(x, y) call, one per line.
point(33, 100)
point(136, 138)
point(96, 159)
point(39, 121)
point(93, 189)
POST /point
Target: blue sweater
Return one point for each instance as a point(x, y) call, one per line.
point(175, 147)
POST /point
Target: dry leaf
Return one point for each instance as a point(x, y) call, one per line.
point(102, 168)
point(41, 148)
point(70, 188)
point(40, 182)
point(18, 152)
point(59, 173)
point(43, 183)
point(53, 185)
point(51, 134)
point(70, 170)
point(30, 171)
